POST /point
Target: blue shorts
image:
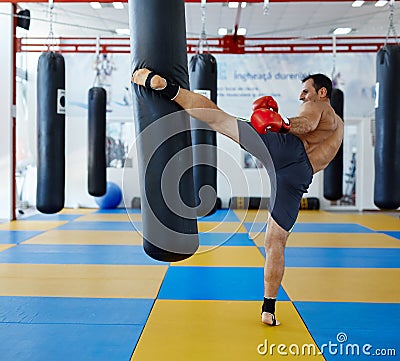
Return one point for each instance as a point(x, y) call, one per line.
point(288, 166)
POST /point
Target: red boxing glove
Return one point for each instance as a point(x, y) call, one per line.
point(264, 120)
point(267, 102)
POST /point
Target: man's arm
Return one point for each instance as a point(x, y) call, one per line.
point(307, 120)
point(196, 105)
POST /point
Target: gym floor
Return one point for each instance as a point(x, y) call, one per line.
point(78, 286)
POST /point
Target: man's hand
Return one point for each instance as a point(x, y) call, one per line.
point(266, 102)
point(264, 120)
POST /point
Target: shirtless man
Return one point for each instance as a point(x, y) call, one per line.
point(298, 146)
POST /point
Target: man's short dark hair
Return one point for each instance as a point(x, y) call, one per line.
point(320, 81)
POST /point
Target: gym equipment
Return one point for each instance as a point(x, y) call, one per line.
point(51, 133)
point(218, 203)
point(309, 203)
point(249, 203)
point(203, 80)
point(349, 194)
point(24, 19)
point(168, 208)
point(387, 134)
point(135, 202)
point(97, 166)
point(112, 198)
point(333, 173)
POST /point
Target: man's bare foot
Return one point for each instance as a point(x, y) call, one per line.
point(269, 319)
point(140, 75)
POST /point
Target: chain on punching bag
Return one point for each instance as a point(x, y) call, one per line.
point(51, 133)
point(163, 140)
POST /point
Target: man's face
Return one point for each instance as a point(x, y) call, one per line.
point(308, 92)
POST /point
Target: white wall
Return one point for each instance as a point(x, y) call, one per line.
point(6, 66)
point(366, 171)
point(365, 168)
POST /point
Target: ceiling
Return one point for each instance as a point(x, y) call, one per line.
point(292, 19)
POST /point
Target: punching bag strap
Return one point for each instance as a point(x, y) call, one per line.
point(203, 43)
point(170, 90)
point(266, 7)
point(147, 83)
point(50, 38)
point(381, 56)
point(391, 27)
point(334, 61)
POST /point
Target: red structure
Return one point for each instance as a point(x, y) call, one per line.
point(228, 44)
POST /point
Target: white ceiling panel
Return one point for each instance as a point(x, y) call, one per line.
point(291, 19)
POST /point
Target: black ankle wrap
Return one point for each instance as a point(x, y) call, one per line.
point(170, 90)
point(269, 305)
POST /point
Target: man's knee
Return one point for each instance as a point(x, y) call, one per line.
point(275, 236)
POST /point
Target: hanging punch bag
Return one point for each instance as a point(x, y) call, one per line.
point(51, 133)
point(97, 167)
point(165, 161)
point(203, 80)
point(333, 173)
point(387, 134)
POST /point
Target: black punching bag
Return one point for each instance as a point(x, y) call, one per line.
point(333, 173)
point(51, 133)
point(387, 120)
point(97, 167)
point(203, 80)
point(163, 141)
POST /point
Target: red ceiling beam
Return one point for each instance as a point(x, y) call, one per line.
point(225, 45)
